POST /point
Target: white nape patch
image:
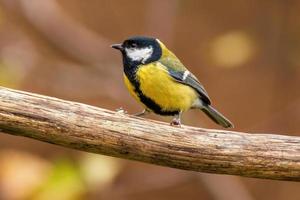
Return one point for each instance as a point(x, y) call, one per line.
point(139, 54)
point(185, 74)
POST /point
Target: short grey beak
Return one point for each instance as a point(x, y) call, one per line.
point(117, 46)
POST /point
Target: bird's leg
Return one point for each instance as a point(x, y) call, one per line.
point(144, 112)
point(176, 120)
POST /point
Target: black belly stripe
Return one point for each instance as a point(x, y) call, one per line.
point(146, 100)
point(152, 105)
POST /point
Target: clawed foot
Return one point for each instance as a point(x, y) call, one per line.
point(175, 122)
point(144, 112)
point(121, 110)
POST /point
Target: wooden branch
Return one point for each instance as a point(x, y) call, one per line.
point(97, 130)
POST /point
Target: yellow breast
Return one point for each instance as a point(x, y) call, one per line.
point(158, 85)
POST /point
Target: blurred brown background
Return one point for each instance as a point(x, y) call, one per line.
point(245, 52)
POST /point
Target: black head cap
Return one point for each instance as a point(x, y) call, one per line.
point(139, 41)
point(134, 47)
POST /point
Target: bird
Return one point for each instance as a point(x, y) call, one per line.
point(156, 78)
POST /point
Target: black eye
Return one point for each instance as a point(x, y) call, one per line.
point(133, 45)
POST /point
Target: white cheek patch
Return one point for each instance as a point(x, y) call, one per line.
point(136, 54)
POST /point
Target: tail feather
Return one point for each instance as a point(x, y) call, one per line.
point(216, 116)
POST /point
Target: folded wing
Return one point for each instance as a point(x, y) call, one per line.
point(180, 74)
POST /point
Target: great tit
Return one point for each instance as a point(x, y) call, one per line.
point(155, 77)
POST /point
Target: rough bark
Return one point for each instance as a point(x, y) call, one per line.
point(97, 130)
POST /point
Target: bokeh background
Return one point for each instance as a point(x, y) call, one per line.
point(245, 52)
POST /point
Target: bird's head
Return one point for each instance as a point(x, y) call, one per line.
point(140, 50)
